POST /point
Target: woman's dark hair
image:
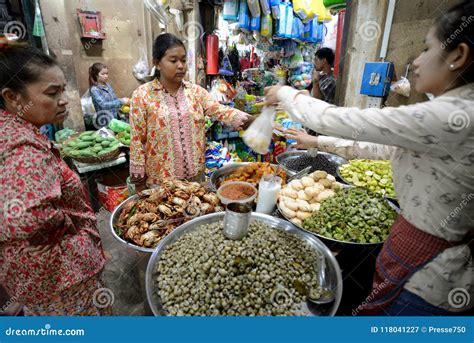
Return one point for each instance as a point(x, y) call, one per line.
point(327, 54)
point(162, 43)
point(456, 26)
point(94, 71)
point(21, 64)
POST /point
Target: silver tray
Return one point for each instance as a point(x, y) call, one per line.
point(332, 273)
point(334, 243)
point(293, 154)
point(226, 170)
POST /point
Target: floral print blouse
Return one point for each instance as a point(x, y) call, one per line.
point(48, 235)
point(168, 137)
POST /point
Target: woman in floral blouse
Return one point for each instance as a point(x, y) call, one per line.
point(168, 119)
point(50, 249)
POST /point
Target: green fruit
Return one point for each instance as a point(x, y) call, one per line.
point(82, 145)
point(106, 143)
point(99, 139)
point(104, 152)
point(86, 133)
point(75, 153)
point(111, 139)
point(87, 138)
point(72, 144)
point(87, 153)
point(96, 148)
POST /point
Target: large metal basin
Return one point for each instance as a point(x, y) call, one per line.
point(332, 272)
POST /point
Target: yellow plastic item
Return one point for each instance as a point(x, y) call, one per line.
point(305, 9)
point(266, 26)
point(323, 13)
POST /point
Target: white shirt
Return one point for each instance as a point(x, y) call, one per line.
point(431, 148)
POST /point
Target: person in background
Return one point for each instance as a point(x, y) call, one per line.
point(167, 119)
point(106, 103)
point(426, 263)
point(50, 250)
point(324, 83)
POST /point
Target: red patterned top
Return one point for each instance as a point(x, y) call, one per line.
point(48, 235)
point(168, 137)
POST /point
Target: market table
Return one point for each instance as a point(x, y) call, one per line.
point(89, 171)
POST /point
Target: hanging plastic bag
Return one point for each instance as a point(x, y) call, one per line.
point(401, 87)
point(259, 135)
point(265, 7)
point(304, 9)
point(255, 24)
point(226, 67)
point(254, 8)
point(275, 7)
point(231, 10)
point(140, 69)
point(88, 109)
point(244, 18)
point(266, 26)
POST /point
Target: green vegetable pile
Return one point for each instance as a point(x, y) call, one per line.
point(353, 215)
point(124, 138)
point(90, 144)
point(374, 175)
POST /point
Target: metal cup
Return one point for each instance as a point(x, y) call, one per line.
point(236, 220)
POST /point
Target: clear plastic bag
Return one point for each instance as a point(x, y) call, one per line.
point(401, 87)
point(259, 135)
point(140, 70)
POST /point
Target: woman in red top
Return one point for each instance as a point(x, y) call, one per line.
point(50, 249)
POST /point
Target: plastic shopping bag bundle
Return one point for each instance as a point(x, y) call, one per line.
point(259, 135)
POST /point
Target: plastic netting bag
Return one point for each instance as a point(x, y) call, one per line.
point(259, 135)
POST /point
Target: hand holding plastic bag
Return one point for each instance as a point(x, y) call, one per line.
point(259, 135)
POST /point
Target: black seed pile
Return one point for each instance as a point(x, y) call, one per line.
point(320, 162)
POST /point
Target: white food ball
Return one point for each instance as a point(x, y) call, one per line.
point(307, 181)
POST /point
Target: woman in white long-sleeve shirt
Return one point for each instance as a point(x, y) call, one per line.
point(426, 264)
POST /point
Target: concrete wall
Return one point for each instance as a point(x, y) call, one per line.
point(411, 22)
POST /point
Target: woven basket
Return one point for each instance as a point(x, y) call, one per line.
point(100, 159)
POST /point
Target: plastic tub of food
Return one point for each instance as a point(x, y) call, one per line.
point(237, 191)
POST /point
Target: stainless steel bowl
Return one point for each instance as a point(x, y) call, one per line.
point(333, 272)
point(335, 244)
point(226, 170)
point(282, 159)
point(113, 218)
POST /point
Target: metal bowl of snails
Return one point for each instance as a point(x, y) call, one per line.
point(196, 271)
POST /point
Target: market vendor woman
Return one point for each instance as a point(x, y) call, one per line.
point(426, 265)
point(50, 250)
point(167, 119)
